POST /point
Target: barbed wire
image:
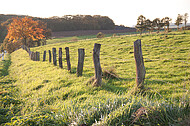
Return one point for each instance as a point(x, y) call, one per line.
point(146, 59)
point(169, 47)
point(150, 45)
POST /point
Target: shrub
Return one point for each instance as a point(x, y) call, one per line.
point(114, 35)
point(74, 39)
point(9, 46)
point(100, 35)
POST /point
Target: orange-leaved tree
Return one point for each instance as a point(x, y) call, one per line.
point(23, 29)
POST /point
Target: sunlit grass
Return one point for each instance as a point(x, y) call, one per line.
point(51, 95)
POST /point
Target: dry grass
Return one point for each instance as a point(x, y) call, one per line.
point(110, 73)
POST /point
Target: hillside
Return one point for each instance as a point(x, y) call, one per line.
point(39, 93)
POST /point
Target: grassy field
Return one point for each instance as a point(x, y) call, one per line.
point(38, 93)
point(85, 37)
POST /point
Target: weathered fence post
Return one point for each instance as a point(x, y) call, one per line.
point(37, 56)
point(97, 66)
point(29, 52)
point(49, 55)
point(68, 59)
point(31, 55)
point(140, 69)
point(34, 56)
point(60, 58)
point(81, 55)
point(54, 56)
point(44, 56)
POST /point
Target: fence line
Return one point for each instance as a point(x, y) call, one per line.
point(169, 47)
point(33, 58)
point(138, 58)
point(150, 45)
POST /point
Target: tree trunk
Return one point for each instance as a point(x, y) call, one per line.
point(38, 43)
point(97, 66)
point(140, 69)
point(24, 41)
point(81, 55)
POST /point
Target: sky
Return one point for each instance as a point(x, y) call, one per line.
point(123, 12)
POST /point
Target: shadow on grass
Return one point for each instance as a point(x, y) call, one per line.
point(115, 85)
point(5, 66)
point(7, 92)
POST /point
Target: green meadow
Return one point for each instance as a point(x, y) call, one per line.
point(39, 93)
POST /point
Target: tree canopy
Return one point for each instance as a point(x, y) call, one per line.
point(179, 20)
point(23, 29)
point(141, 21)
point(79, 22)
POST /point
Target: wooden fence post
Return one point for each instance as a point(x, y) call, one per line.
point(31, 55)
point(29, 52)
point(44, 56)
point(60, 58)
point(34, 56)
point(81, 55)
point(37, 56)
point(97, 66)
point(49, 55)
point(68, 59)
point(140, 69)
point(54, 56)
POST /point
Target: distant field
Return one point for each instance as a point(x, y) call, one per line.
point(89, 32)
point(38, 93)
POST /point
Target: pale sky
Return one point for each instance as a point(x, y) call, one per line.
point(123, 12)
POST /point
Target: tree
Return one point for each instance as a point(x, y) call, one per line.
point(23, 29)
point(141, 23)
point(179, 20)
point(46, 32)
point(148, 25)
point(166, 22)
point(185, 17)
point(158, 23)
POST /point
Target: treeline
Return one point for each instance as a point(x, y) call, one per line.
point(79, 22)
point(71, 22)
point(144, 24)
